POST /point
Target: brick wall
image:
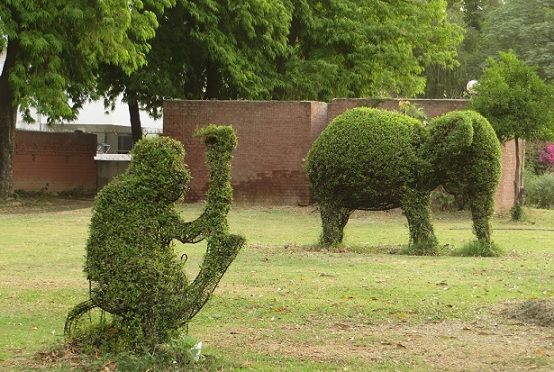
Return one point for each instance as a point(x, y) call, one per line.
point(54, 162)
point(274, 138)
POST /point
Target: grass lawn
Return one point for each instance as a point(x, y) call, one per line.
point(286, 306)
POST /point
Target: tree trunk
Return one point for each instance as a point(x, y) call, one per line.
point(134, 113)
point(517, 179)
point(212, 76)
point(8, 118)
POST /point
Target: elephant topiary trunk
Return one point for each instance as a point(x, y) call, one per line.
point(130, 262)
point(369, 159)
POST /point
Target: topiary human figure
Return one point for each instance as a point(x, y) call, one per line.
point(130, 263)
point(378, 160)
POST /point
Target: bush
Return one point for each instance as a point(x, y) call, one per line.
point(546, 156)
point(134, 273)
point(540, 191)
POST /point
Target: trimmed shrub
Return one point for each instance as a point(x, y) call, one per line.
point(465, 154)
point(377, 160)
point(368, 159)
point(133, 271)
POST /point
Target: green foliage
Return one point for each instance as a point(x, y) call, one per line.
point(130, 262)
point(205, 50)
point(478, 248)
point(451, 83)
point(540, 191)
point(526, 28)
point(516, 101)
point(518, 104)
point(466, 156)
point(360, 48)
point(57, 47)
point(378, 160)
point(288, 49)
point(338, 162)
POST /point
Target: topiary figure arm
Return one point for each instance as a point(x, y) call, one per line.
point(220, 142)
point(222, 246)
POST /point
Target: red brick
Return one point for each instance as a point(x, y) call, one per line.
point(54, 162)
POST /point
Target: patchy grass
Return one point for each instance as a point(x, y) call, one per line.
point(286, 305)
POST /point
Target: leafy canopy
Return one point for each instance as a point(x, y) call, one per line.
point(57, 46)
point(205, 49)
point(517, 102)
point(526, 28)
point(364, 48)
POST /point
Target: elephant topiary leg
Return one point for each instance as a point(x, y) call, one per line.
point(481, 212)
point(333, 220)
point(415, 205)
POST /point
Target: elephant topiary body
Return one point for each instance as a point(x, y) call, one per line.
point(377, 160)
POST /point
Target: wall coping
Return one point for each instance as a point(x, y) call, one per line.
point(112, 157)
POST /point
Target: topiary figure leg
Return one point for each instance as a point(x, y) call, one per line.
point(482, 208)
point(415, 205)
point(333, 221)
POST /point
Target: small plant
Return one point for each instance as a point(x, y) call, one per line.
point(478, 249)
point(412, 110)
point(540, 191)
point(517, 213)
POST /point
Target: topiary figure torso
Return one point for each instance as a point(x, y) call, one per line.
point(377, 160)
point(130, 262)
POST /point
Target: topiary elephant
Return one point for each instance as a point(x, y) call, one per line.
point(370, 159)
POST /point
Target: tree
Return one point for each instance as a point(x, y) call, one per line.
point(526, 28)
point(53, 49)
point(469, 14)
point(287, 49)
point(204, 50)
point(356, 48)
point(518, 103)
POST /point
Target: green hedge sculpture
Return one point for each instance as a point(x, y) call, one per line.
point(134, 272)
point(369, 159)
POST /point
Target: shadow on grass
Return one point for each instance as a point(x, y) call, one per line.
point(33, 203)
point(471, 249)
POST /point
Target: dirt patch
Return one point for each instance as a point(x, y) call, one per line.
point(483, 345)
point(539, 312)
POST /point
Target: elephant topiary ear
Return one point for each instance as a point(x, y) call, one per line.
point(450, 134)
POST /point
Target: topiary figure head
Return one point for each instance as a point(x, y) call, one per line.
point(157, 166)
